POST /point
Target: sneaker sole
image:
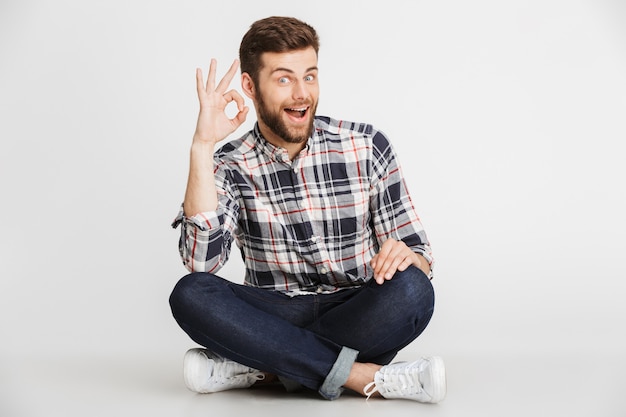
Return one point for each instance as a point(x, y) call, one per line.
point(438, 372)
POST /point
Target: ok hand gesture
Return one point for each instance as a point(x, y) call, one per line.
point(213, 124)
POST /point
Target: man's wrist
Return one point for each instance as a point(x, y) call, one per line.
point(202, 145)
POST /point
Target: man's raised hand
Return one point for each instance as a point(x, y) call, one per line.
point(213, 123)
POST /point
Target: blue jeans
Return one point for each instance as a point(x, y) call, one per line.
point(311, 339)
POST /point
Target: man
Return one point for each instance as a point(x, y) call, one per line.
point(337, 262)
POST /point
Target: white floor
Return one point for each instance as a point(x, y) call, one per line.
point(478, 385)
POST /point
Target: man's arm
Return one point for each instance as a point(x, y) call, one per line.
point(402, 239)
point(213, 126)
point(205, 241)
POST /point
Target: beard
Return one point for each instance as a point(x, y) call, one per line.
point(274, 121)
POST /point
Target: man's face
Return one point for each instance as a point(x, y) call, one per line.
point(287, 95)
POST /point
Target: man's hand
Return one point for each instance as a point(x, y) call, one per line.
point(213, 123)
point(395, 255)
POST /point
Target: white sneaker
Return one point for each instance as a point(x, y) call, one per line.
point(205, 372)
point(423, 380)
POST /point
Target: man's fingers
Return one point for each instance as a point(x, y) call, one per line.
point(381, 256)
point(242, 112)
point(404, 264)
point(392, 266)
point(225, 82)
point(210, 87)
point(199, 81)
point(393, 256)
point(388, 257)
point(210, 81)
point(233, 95)
point(241, 116)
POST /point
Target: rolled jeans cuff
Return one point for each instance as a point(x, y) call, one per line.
point(332, 387)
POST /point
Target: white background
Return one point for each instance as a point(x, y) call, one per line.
point(508, 118)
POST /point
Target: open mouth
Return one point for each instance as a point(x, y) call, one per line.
point(297, 113)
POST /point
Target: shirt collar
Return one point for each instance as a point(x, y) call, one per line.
point(276, 153)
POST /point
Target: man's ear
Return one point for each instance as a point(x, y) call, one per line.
point(247, 85)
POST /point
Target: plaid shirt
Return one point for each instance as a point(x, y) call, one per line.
point(311, 224)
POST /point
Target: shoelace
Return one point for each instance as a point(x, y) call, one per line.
point(373, 390)
point(400, 380)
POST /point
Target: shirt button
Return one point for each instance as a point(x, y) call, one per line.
point(315, 239)
point(324, 270)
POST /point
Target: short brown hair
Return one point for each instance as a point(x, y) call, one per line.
point(274, 34)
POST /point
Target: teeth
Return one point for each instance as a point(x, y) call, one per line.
point(304, 109)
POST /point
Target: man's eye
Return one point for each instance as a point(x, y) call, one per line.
point(283, 80)
point(309, 78)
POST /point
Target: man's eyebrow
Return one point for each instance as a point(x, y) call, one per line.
point(281, 69)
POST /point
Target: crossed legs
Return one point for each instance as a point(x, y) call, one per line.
point(323, 342)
